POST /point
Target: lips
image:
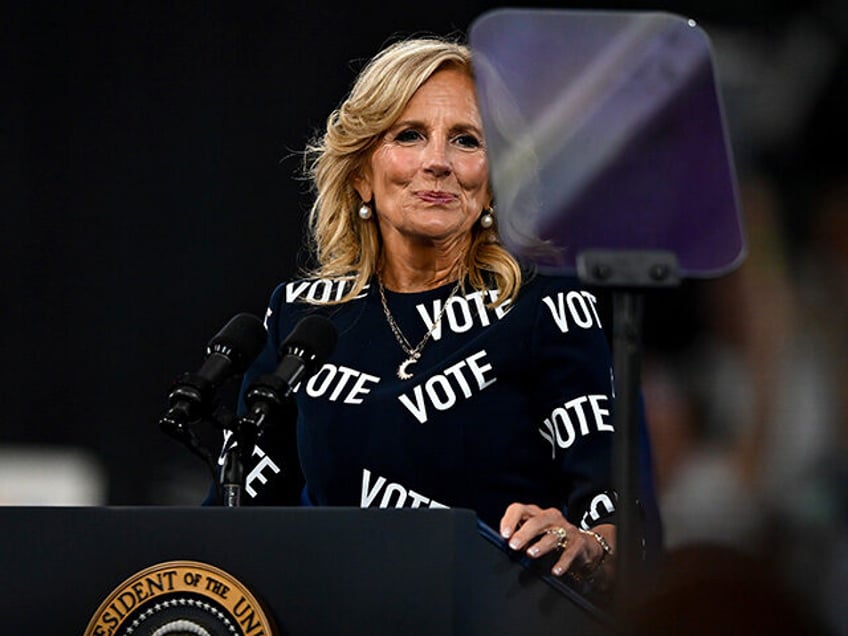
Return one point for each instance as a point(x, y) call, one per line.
point(436, 196)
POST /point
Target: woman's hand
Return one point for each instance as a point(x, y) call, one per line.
point(538, 532)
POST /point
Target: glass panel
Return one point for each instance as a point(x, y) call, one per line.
point(605, 131)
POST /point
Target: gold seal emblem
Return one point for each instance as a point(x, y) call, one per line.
point(180, 597)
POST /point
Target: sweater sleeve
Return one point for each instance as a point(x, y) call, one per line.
point(574, 398)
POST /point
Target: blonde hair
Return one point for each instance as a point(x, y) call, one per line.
point(341, 243)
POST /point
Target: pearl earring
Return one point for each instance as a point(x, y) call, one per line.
point(488, 220)
point(364, 211)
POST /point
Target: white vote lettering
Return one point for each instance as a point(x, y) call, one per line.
point(336, 380)
point(320, 290)
point(600, 506)
point(440, 392)
point(461, 313)
point(576, 418)
point(579, 307)
point(394, 495)
point(257, 473)
point(369, 493)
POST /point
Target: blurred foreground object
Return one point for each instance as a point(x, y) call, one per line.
point(50, 476)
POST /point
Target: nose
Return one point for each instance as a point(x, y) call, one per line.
point(436, 161)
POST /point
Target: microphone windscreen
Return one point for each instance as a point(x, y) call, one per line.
point(241, 340)
point(315, 335)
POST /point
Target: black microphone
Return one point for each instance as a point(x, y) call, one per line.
point(303, 352)
point(228, 354)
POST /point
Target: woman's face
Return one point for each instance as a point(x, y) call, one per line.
point(428, 175)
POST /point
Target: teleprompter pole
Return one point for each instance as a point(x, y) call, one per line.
point(627, 274)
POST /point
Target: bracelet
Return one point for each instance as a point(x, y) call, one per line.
point(608, 551)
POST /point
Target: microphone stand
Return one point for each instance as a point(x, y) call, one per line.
point(245, 433)
point(312, 340)
point(266, 400)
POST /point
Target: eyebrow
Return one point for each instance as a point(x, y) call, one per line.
point(414, 123)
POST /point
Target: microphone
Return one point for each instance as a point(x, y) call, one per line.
point(228, 354)
point(303, 352)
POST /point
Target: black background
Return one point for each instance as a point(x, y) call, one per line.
point(150, 164)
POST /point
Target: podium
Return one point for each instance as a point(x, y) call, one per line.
point(313, 570)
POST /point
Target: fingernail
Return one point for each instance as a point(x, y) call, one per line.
point(533, 551)
point(514, 544)
point(505, 532)
point(558, 570)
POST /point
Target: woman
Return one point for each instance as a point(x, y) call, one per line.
point(458, 379)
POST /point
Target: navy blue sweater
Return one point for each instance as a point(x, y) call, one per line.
point(507, 404)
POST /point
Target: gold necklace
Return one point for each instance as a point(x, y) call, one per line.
point(413, 353)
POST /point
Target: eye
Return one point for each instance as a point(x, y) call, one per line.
point(408, 135)
point(467, 140)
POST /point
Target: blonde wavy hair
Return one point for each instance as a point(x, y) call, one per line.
point(341, 243)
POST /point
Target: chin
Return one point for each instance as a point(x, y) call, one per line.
point(439, 232)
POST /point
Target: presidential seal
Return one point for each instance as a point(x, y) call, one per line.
point(180, 598)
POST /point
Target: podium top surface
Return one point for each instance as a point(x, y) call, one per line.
point(317, 570)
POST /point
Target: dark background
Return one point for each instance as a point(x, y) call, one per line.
point(150, 190)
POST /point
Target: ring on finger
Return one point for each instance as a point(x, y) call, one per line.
point(561, 536)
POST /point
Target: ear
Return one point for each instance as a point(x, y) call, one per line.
point(362, 185)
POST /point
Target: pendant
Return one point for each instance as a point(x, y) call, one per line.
point(402, 373)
